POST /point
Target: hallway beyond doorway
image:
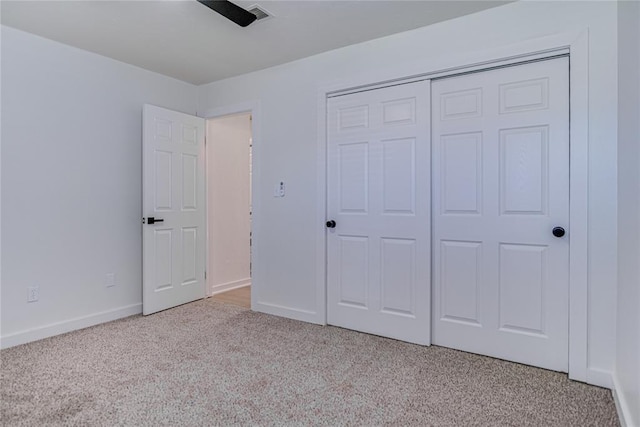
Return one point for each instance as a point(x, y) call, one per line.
point(240, 297)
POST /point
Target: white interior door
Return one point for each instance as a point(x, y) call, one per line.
point(500, 186)
point(174, 196)
point(378, 262)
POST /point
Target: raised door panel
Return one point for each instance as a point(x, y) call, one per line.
point(463, 104)
point(399, 176)
point(523, 282)
point(189, 255)
point(354, 271)
point(162, 130)
point(525, 95)
point(399, 112)
point(189, 134)
point(461, 281)
point(398, 271)
point(461, 173)
point(163, 178)
point(163, 251)
point(353, 177)
point(353, 118)
point(524, 170)
point(189, 182)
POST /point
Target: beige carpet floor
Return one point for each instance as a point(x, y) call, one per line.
point(207, 363)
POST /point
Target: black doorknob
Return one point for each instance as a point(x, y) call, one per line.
point(558, 231)
point(152, 220)
point(331, 224)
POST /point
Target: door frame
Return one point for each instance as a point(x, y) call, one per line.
point(576, 45)
point(252, 108)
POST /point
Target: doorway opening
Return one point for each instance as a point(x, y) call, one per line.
point(229, 210)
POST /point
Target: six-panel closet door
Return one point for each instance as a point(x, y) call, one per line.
point(378, 260)
point(500, 147)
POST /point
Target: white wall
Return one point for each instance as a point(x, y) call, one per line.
point(285, 275)
point(71, 183)
point(627, 369)
point(228, 188)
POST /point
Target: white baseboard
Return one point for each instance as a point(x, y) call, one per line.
point(65, 326)
point(600, 377)
point(224, 287)
point(290, 313)
point(622, 406)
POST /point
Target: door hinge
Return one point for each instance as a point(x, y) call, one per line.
point(205, 275)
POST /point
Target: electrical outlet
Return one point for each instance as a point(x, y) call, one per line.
point(110, 280)
point(33, 293)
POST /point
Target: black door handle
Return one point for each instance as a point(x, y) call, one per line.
point(331, 224)
point(152, 220)
point(558, 231)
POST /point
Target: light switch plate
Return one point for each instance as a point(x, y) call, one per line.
point(278, 190)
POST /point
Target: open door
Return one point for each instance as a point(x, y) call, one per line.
point(173, 209)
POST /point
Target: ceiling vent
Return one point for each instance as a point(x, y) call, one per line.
point(260, 12)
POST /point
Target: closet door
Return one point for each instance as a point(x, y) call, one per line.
point(378, 236)
point(501, 213)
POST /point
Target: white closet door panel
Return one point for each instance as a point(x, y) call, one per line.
point(500, 186)
point(378, 266)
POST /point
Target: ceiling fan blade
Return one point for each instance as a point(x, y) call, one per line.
point(230, 11)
